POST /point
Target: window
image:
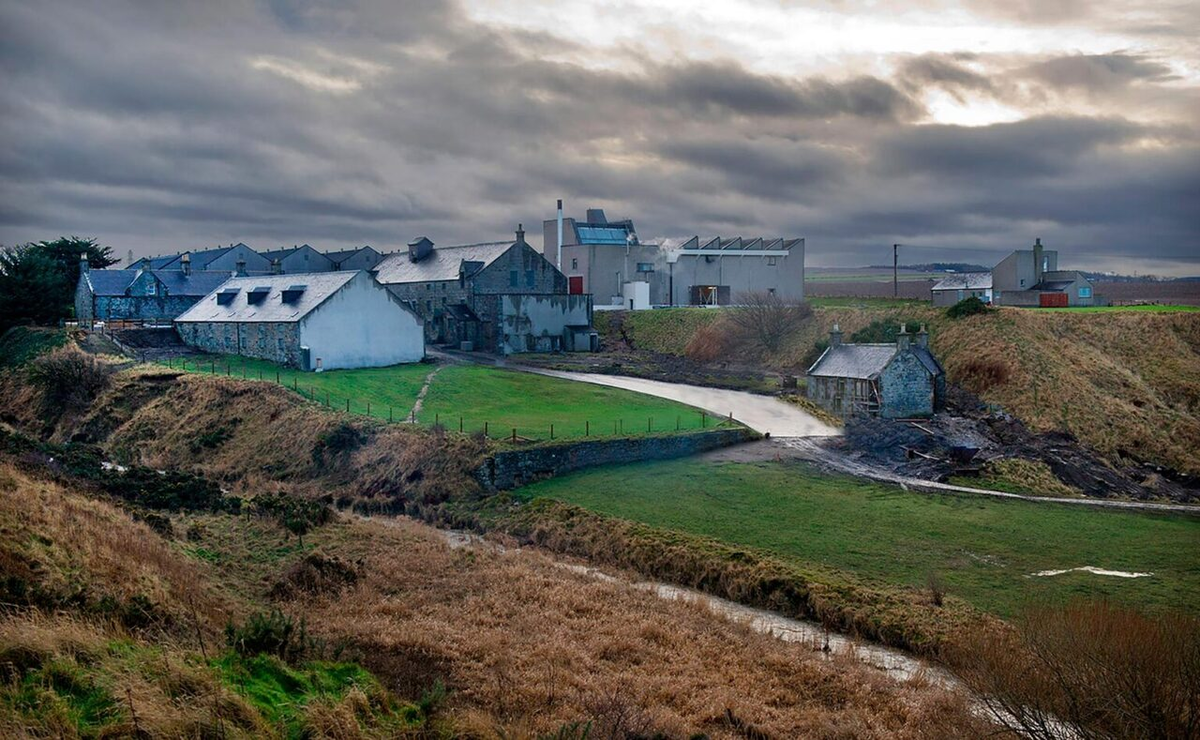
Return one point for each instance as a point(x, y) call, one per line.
point(151, 288)
point(529, 278)
point(512, 278)
point(645, 267)
point(1085, 291)
point(772, 261)
point(770, 291)
point(429, 306)
point(428, 286)
point(1022, 283)
point(574, 263)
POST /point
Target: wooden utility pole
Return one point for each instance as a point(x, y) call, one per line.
point(895, 271)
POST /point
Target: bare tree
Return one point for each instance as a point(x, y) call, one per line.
point(765, 321)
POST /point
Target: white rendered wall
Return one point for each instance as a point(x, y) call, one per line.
point(362, 325)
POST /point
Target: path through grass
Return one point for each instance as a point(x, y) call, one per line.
point(984, 550)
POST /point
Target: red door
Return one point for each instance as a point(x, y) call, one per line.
point(575, 285)
point(1053, 300)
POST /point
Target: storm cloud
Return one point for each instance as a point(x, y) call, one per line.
point(159, 128)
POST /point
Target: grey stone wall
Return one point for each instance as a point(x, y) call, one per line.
point(512, 468)
point(277, 342)
point(907, 388)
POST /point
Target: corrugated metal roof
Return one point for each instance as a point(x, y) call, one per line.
point(110, 282)
point(442, 264)
point(862, 361)
point(200, 282)
point(965, 281)
point(319, 286)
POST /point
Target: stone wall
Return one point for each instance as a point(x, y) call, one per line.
point(907, 388)
point(512, 468)
point(277, 342)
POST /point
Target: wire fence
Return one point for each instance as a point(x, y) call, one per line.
point(571, 428)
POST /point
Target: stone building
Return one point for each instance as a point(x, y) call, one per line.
point(500, 297)
point(295, 260)
point(145, 295)
point(896, 381)
point(221, 258)
point(316, 321)
point(609, 260)
point(360, 258)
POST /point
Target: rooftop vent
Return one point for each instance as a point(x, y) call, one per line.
point(257, 294)
point(292, 293)
point(226, 295)
point(419, 248)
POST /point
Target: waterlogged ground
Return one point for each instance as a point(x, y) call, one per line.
point(987, 551)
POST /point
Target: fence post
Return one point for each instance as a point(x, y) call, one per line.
point(551, 431)
point(437, 420)
point(485, 429)
point(347, 404)
point(368, 408)
point(212, 367)
point(703, 419)
point(277, 381)
point(677, 423)
point(649, 420)
point(514, 434)
point(389, 413)
point(622, 423)
point(460, 426)
point(587, 428)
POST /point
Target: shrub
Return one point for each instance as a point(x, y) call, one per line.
point(68, 378)
point(270, 633)
point(298, 515)
point(981, 374)
point(967, 307)
point(337, 443)
point(765, 320)
point(711, 342)
point(1104, 670)
point(882, 331)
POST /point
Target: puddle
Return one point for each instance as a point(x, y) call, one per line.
point(1090, 569)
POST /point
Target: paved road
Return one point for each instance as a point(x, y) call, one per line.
point(760, 413)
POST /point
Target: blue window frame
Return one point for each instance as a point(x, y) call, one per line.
point(1085, 291)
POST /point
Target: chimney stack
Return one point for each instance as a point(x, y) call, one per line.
point(129, 259)
point(241, 268)
point(1038, 265)
point(84, 268)
point(923, 338)
point(558, 251)
point(186, 262)
point(276, 266)
point(903, 338)
point(835, 336)
point(520, 233)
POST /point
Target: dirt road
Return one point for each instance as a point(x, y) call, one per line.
point(761, 413)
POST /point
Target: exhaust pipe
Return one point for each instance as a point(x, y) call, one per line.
point(558, 252)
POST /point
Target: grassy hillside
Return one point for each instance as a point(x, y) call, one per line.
point(983, 550)
point(1125, 382)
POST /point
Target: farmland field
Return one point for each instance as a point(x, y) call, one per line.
point(503, 399)
point(984, 550)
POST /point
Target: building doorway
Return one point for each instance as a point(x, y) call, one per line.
point(575, 285)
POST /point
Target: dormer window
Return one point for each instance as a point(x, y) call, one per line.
point(226, 295)
point(151, 288)
point(292, 293)
point(257, 294)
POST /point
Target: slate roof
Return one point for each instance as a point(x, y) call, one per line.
point(199, 283)
point(318, 287)
point(110, 282)
point(1053, 285)
point(343, 254)
point(965, 281)
point(443, 263)
point(866, 361)
point(861, 361)
point(200, 258)
point(278, 254)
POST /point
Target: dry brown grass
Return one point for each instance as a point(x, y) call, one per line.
point(59, 548)
point(528, 647)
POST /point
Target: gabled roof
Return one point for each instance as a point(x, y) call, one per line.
point(965, 281)
point(198, 283)
point(443, 263)
point(342, 254)
point(110, 282)
point(863, 361)
point(318, 286)
point(278, 254)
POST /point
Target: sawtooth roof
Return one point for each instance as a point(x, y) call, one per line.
point(965, 281)
point(443, 263)
point(318, 286)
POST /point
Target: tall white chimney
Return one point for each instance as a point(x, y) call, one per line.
point(558, 252)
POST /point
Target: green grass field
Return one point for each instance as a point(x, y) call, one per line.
point(504, 399)
point(984, 550)
point(1155, 308)
point(849, 302)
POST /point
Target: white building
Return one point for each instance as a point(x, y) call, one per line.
point(311, 321)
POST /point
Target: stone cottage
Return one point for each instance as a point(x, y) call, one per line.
point(502, 297)
point(141, 295)
point(895, 381)
point(316, 321)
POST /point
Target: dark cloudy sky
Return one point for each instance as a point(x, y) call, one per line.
point(974, 125)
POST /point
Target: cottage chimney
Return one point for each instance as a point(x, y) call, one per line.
point(923, 338)
point(129, 258)
point(835, 336)
point(83, 264)
point(520, 233)
point(903, 338)
point(1038, 261)
point(241, 268)
point(186, 263)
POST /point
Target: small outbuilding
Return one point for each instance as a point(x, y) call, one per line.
point(896, 381)
point(311, 321)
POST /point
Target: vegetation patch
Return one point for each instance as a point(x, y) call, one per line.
point(1017, 475)
point(21, 344)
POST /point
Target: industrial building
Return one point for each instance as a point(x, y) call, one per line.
point(210, 260)
point(895, 381)
point(297, 260)
point(360, 258)
point(143, 295)
point(609, 260)
point(500, 297)
point(316, 321)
